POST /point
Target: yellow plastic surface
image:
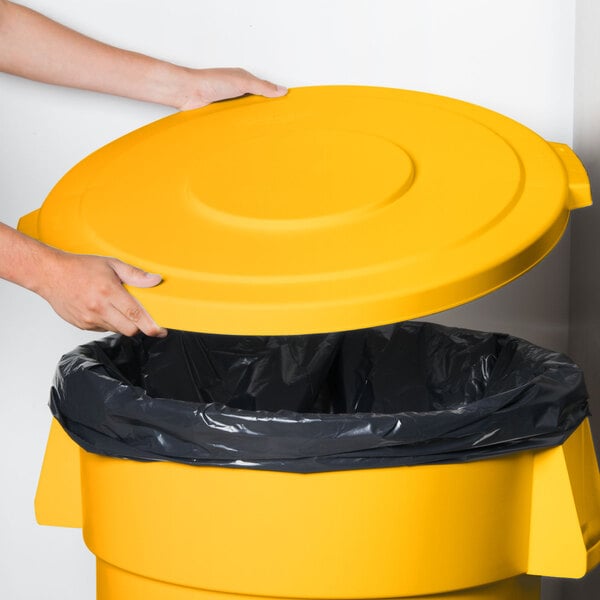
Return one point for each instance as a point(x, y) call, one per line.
point(58, 497)
point(116, 584)
point(566, 506)
point(332, 208)
point(165, 531)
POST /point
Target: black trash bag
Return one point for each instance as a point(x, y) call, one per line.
point(405, 394)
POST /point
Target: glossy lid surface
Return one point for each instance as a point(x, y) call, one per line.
point(332, 208)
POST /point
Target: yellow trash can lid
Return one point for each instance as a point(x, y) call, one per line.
point(329, 209)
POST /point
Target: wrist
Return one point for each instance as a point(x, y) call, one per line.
point(26, 261)
point(39, 268)
point(171, 85)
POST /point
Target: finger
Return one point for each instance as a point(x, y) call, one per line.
point(117, 322)
point(102, 327)
point(133, 313)
point(110, 320)
point(128, 306)
point(262, 87)
point(133, 276)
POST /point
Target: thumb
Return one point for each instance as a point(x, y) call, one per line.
point(262, 87)
point(274, 91)
point(133, 276)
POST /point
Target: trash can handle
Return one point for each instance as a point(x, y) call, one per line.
point(58, 496)
point(564, 535)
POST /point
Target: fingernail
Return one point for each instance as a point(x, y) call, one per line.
point(281, 89)
point(153, 275)
point(162, 333)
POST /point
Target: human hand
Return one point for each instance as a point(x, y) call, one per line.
point(87, 291)
point(204, 86)
point(36, 47)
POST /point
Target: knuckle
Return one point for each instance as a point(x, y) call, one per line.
point(88, 322)
point(94, 307)
point(104, 291)
point(134, 313)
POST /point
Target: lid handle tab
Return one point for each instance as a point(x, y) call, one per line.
point(579, 184)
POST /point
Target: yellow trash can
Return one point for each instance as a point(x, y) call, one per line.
point(331, 209)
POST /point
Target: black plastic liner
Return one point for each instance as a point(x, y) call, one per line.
point(405, 394)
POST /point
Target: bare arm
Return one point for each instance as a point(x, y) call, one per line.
point(38, 48)
point(87, 291)
point(84, 290)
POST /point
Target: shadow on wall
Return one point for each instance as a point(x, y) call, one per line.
point(584, 335)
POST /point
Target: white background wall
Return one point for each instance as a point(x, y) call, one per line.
point(514, 56)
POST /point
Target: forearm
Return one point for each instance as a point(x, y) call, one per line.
point(38, 48)
point(23, 260)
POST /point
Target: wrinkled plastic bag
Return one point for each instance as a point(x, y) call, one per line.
point(404, 394)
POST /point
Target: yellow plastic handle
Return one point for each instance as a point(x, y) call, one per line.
point(28, 224)
point(564, 532)
point(580, 194)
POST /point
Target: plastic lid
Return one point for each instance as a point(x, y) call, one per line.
point(332, 208)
